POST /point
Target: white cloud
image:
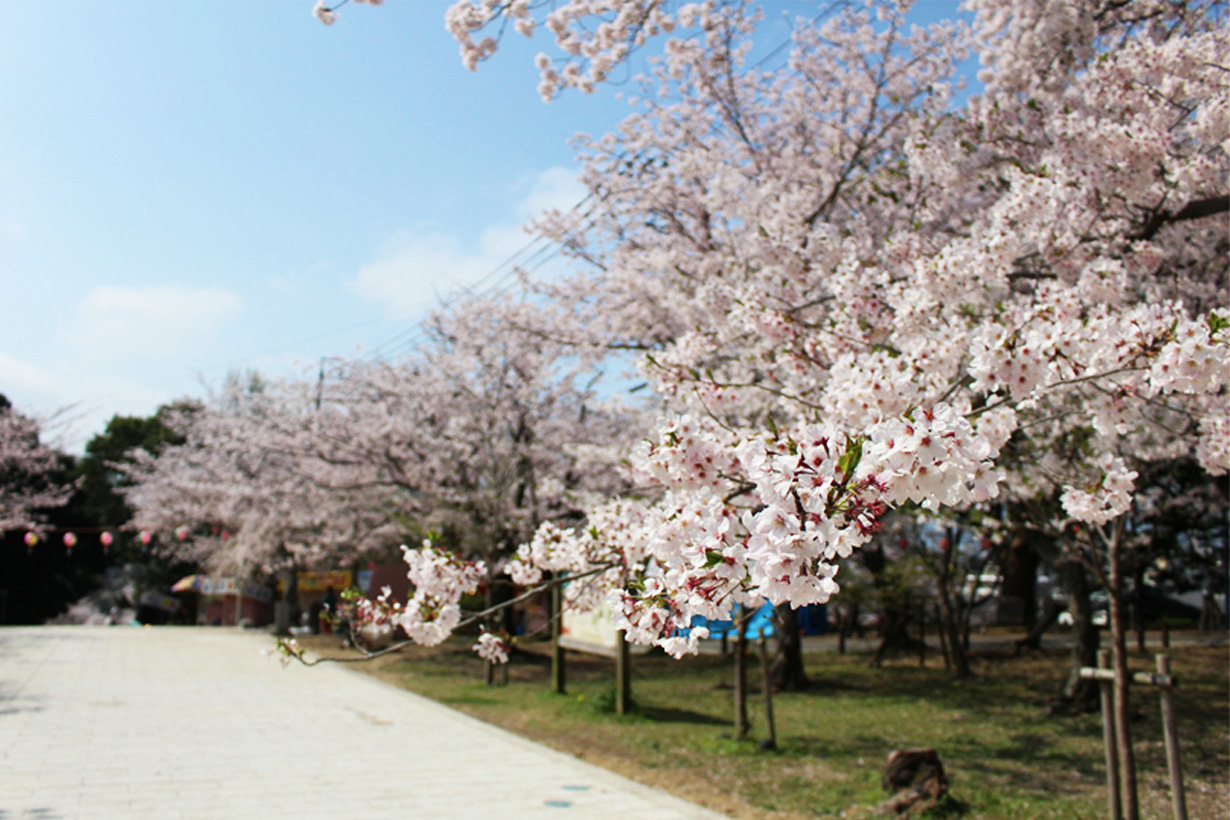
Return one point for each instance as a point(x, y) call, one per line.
point(554, 189)
point(417, 269)
point(73, 401)
point(149, 323)
point(22, 378)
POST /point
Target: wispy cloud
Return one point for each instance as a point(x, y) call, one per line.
point(417, 268)
point(150, 323)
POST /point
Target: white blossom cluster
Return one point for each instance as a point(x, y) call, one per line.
point(440, 579)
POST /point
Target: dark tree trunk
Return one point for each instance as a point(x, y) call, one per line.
point(843, 628)
point(958, 650)
point(1018, 593)
point(939, 619)
point(1138, 608)
point(787, 669)
point(1033, 640)
point(1085, 653)
point(894, 634)
point(894, 620)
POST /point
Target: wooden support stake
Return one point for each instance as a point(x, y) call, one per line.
point(623, 675)
point(558, 671)
point(767, 683)
point(1108, 736)
point(1170, 729)
point(741, 721)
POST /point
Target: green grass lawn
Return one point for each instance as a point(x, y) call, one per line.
point(1005, 757)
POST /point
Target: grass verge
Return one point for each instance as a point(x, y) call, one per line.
point(1006, 758)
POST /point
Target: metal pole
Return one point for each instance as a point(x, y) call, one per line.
point(1170, 729)
point(1108, 736)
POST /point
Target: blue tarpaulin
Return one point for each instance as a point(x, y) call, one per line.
point(813, 620)
point(762, 620)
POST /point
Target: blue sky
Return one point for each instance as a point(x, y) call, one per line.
point(189, 187)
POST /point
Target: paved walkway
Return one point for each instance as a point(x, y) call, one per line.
point(137, 724)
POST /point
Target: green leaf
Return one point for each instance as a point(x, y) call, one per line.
point(849, 460)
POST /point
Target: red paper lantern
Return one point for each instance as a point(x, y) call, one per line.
point(70, 539)
point(31, 539)
point(107, 539)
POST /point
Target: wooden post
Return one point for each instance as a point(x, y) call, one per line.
point(767, 683)
point(1108, 736)
point(623, 675)
point(558, 671)
point(489, 601)
point(922, 635)
point(1165, 635)
point(1170, 729)
point(741, 722)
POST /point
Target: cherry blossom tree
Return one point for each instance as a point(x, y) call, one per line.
point(27, 468)
point(479, 436)
point(860, 289)
point(227, 500)
point(862, 292)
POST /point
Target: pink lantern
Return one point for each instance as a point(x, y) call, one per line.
point(70, 539)
point(31, 539)
point(107, 539)
point(181, 532)
point(146, 537)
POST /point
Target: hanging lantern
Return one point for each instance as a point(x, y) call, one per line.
point(107, 539)
point(181, 532)
point(146, 537)
point(70, 539)
point(31, 539)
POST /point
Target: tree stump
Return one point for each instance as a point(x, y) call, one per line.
point(917, 779)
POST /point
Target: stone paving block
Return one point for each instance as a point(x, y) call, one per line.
point(124, 723)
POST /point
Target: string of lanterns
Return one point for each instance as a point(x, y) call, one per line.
point(106, 537)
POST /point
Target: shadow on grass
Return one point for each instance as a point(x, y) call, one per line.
point(663, 714)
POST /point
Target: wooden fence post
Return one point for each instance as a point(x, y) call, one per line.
point(1170, 730)
point(558, 672)
point(623, 675)
point(1108, 736)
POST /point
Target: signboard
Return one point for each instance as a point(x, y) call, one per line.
point(338, 579)
point(232, 586)
point(220, 586)
point(589, 631)
point(593, 632)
